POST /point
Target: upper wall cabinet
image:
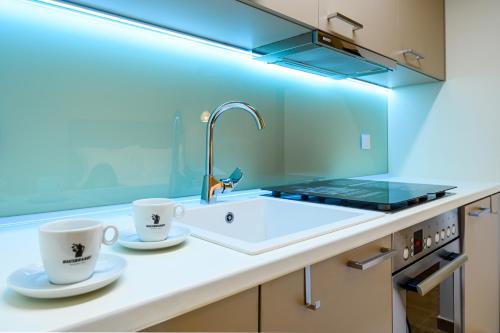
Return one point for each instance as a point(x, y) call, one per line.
point(371, 24)
point(421, 26)
point(303, 11)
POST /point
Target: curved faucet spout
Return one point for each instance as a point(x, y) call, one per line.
point(236, 105)
point(210, 184)
point(211, 122)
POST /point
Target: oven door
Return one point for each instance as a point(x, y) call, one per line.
point(427, 294)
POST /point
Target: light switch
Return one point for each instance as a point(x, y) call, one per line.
point(366, 141)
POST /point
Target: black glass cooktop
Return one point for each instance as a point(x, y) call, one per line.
point(379, 195)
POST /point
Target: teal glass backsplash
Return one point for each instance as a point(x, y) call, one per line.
point(95, 113)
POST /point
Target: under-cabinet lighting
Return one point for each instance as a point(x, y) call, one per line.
point(244, 54)
point(137, 24)
point(365, 85)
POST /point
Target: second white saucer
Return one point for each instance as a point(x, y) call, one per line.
point(176, 236)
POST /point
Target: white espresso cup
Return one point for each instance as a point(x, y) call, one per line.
point(153, 218)
point(70, 248)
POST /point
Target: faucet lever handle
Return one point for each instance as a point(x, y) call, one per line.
point(230, 183)
point(236, 175)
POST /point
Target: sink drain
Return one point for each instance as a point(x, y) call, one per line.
point(229, 217)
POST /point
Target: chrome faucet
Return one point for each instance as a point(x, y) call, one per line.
point(211, 186)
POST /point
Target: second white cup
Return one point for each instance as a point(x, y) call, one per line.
point(153, 218)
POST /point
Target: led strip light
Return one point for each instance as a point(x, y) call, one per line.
point(183, 36)
point(139, 24)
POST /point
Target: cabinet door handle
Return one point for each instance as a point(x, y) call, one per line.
point(417, 55)
point(492, 205)
point(307, 291)
point(477, 212)
point(384, 254)
point(355, 24)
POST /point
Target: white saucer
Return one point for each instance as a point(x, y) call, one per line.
point(32, 280)
point(176, 236)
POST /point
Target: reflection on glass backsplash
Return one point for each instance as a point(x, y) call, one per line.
point(96, 113)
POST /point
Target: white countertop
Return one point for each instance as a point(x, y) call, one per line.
point(163, 284)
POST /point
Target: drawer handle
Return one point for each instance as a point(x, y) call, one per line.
point(477, 212)
point(307, 291)
point(412, 52)
point(384, 254)
point(355, 24)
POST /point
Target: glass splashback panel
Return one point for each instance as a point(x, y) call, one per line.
point(95, 113)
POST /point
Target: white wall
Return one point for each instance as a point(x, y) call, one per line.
point(451, 130)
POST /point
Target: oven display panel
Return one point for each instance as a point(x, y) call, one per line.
point(418, 241)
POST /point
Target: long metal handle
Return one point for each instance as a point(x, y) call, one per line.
point(384, 254)
point(440, 275)
point(355, 24)
point(307, 291)
point(236, 175)
point(492, 205)
point(477, 212)
point(417, 55)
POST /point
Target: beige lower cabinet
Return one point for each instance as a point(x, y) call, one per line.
point(482, 270)
point(238, 313)
point(351, 300)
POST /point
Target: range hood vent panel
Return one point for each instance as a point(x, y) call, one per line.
point(310, 69)
point(346, 65)
point(326, 54)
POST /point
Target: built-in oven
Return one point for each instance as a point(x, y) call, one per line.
point(427, 287)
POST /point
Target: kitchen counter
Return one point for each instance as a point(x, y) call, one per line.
point(163, 284)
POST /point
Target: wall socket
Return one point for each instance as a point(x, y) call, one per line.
point(366, 141)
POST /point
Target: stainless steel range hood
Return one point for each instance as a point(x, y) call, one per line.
point(325, 54)
point(328, 55)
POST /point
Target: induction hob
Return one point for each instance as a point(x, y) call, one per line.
point(369, 194)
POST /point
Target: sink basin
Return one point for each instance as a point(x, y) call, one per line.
point(262, 224)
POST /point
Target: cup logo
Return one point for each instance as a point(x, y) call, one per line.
point(156, 222)
point(78, 249)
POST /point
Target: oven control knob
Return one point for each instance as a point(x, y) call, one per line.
point(442, 234)
point(436, 238)
point(406, 253)
point(428, 241)
point(448, 232)
point(453, 229)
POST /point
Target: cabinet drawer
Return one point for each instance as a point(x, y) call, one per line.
point(238, 313)
point(346, 294)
